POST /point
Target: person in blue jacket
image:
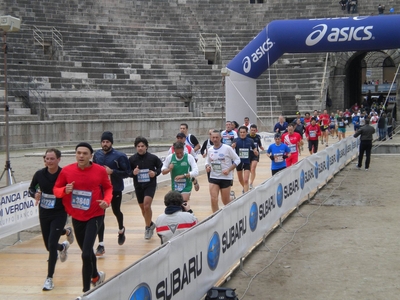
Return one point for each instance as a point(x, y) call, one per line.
point(117, 166)
point(278, 153)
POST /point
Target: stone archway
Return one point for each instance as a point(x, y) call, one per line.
point(346, 75)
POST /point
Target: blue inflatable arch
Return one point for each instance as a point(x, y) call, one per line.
point(360, 33)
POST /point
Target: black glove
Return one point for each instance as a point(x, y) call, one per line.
point(285, 156)
point(272, 157)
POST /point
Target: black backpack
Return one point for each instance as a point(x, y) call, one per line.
point(220, 293)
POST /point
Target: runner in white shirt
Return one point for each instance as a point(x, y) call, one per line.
point(229, 134)
point(221, 160)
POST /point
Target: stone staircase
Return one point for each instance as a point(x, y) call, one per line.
point(141, 59)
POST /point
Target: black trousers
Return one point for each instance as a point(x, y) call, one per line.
point(366, 147)
point(116, 208)
point(52, 227)
point(85, 234)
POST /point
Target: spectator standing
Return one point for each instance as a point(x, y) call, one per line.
point(381, 9)
point(382, 127)
point(366, 134)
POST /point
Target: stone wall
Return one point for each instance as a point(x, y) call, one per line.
point(62, 133)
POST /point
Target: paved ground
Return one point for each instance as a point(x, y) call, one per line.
point(342, 245)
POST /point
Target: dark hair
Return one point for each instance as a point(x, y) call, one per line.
point(307, 113)
point(217, 131)
point(178, 145)
point(56, 152)
point(292, 124)
point(141, 139)
point(253, 126)
point(186, 125)
point(236, 124)
point(313, 119)
point(243, 127)
point(173, 198)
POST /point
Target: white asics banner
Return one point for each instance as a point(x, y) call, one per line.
point(189, 265)
point(17, 210)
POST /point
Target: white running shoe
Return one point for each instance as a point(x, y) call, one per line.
point(100, 279)
point(48, 284)
point(63, 252)
point(70, 235)
point(149, 231)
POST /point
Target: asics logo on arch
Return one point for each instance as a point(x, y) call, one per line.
point(345, 34)
point(256, 55)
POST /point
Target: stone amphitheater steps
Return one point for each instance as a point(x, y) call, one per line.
point(144, 49)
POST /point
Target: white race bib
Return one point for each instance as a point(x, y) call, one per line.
point(143, 176)
point(81, 199)
point(47, 201)
point(244, 152)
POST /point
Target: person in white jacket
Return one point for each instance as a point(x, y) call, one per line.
point(176, 218)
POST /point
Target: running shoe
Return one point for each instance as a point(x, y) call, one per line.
point(70, 235)
point(99, 279)
point(121, 237)
point(63, 253)
point(48, 284)
point(100, 250)
point(149, 231)
point(251, 186)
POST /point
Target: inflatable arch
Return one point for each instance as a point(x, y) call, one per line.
point(360, 33)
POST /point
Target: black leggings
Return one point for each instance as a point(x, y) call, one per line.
point(52, 228)
point(85, 234)
point(116, 208)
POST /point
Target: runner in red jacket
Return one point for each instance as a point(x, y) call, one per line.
point(293, 140)
point(312, 133)
point(86, 191)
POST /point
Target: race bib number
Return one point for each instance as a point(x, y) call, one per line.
point(47, 201)
point(216, 166)
point(143, 176)
point(293, 148)
point(81, 199)
point(180, 184)
point(278, 158)
point(256, 145)
point(244, 152)
point(313, 133)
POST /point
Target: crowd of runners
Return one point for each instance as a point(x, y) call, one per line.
point(85, 189)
